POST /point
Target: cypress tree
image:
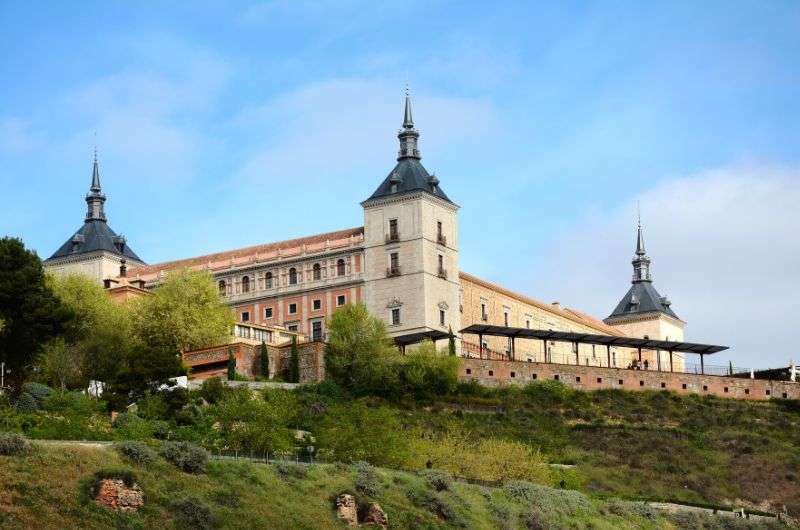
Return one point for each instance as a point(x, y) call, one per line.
point(294, 362)
point(451, 342)
point(264, 360)
point(231, 366)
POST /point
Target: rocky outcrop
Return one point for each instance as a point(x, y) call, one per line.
point(346, 509)
point(376, 516)
point(114, 494)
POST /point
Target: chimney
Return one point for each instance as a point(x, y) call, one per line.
point(123, 269)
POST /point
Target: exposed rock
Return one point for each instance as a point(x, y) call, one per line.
point(376, 516)
point(114, 494)
point(346, 509)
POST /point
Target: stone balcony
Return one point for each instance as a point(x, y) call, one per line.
point(300, 286)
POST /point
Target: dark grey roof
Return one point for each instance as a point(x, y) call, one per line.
point(409, 175)
point(642, 297)
point(93, 236)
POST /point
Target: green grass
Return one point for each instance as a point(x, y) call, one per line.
point(43, 490)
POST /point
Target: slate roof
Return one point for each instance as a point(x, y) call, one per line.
point(97, 236)
point(642, 297)
point(410, 176)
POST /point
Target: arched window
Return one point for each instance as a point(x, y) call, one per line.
point(292, 276)
point(245, 284)
point(222, 289)
point(317, 272)
point(340, 268)
point(268, 280)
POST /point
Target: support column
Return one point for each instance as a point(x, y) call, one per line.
point(577, 358)
point(670, 361)
point(480, 346)
point(608, 354)
point(702, 366)
point(640, 358)
point(544, 350)
point(513, 349)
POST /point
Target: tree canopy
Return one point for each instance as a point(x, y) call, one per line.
point(184, 313)
point(30, 312)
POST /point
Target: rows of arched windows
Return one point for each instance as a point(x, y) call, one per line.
point(316, 271)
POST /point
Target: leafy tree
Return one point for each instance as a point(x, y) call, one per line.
point(28, 308)
point(141, 369)
point(264, 359)
point(360, 355)
point(61, 363)
point(184, 313)
point(424, 372)
point(258, 425)
point(91, 306)
point(451, 342)
point(294, 362)
point(231, 366)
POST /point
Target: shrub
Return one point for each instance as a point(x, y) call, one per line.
point(436, 504)
point(12, 444)
point(212, 390)
point(192, 513)
point(291, 470)
point(26, 403)
point(39, 391)
point(185, 456)
point(438, 480)
point(137, 452)
point(366, 479)
point(551, 502)
point(130, 426)
point(635, 509)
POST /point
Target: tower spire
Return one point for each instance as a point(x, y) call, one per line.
point(408, 135)
point(95, 199)
point(641, 263)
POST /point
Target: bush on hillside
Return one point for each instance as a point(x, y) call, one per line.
point(13, 444)
point(212, 390)
point(129, 426)
point(632, 509)
point(185, 456)
point(38, 390)
point(366, 479)
point(438, 480)
point(551, 502)
point(291, 470)
point(136, 452)
point(26, 403)
point(193, 514)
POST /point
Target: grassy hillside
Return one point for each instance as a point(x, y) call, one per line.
point(44, 490)
point(630, 445)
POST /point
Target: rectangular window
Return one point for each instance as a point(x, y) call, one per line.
point(396, 316)
point(292, 327)
point(394, 260)
point(245, 316)
point(441, 317)
point(316, 330)
point(340, 301)
point(317, 304)
point(528, 324)
point(394, 234)
point(267, 312)
point(440, 234)
point(292, 309)
point(484, 316)
point(505, 318)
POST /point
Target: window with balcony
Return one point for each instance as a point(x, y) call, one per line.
point(317, 272)
point(222, 287)
point(292, 276)
point(268, 280)
point(316, 304)
point(394, 264)
point(340, 300)
point(396, 316)
point(267, 312)
point(292, 309)
point(245, 284)
point(340, 268)
point(440, 237)
point(394, 233)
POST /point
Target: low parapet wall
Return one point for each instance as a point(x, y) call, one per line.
point(499, 373)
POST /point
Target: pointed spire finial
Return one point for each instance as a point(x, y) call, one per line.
point(408, 135)
point(639, 237)
point(641, 263)
point(408, 121)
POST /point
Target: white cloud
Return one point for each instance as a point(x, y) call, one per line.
point(725, 249)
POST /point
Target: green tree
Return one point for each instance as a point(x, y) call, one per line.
point(425, 372)
point(294, 362)
point(360, 355)
point(140, 369)
point(90, 304)
point(451, 341)
point(30, 311)
point(184, 313)
point(231, 366)
point(61, 363)
point(264, 360)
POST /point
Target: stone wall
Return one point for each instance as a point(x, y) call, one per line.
point(498, 373)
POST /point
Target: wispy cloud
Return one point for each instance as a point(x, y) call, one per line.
point(725, 250)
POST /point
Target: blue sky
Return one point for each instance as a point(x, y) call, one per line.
point(225, 124)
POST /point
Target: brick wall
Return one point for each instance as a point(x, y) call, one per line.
point(499, 373)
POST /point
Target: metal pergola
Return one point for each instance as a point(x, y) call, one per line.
point(586, 338)
point(414, 338)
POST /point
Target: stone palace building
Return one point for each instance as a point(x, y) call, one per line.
point(403, 263)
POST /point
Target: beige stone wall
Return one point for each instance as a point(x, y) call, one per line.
point(419, 291)
point(524, 312)
point(98, 266)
